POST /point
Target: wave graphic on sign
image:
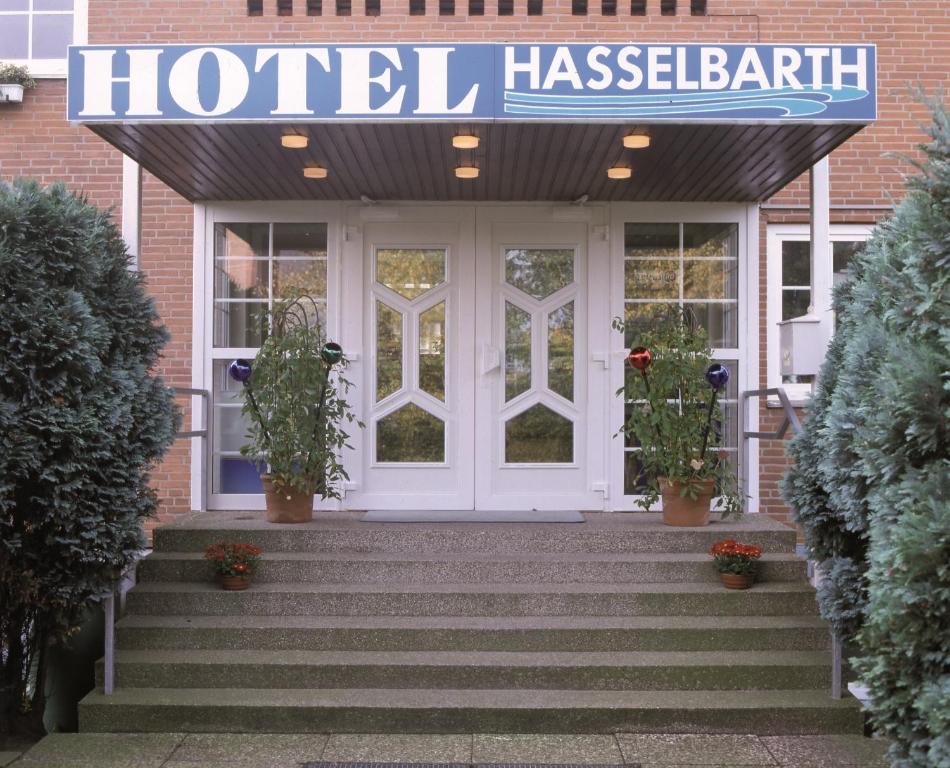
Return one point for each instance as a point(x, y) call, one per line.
point(782, 102)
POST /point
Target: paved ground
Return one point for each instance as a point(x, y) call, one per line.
point(74, 750)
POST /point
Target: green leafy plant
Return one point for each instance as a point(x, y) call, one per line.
point(294, 395)
point(13, 74)
point(233, 559)
point(673, 414)
point(871, 480)
point(83, 418)
point(730, 556)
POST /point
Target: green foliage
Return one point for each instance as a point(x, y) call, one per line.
point(233, 558)
point(872, 479)
point(296, 405)
point(82, 419)
point(14, 74)
point(670, 413)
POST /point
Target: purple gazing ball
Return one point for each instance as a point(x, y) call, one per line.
point(717, 375)
point(240, 370)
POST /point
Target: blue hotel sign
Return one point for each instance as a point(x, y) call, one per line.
point(473, 82)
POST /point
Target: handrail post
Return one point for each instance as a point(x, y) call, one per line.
point(108, 678)
point(835, 665)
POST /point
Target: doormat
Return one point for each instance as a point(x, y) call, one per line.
point(470, 516)
point(463, 765)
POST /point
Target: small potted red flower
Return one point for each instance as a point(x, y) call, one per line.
point(233, 563)
point(736, 563)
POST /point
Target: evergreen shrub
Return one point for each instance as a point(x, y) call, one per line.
point(871, 483)
point(82, 419)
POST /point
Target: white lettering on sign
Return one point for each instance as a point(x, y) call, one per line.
point(356, 82)
point(595, 61)
point(655, 68)
point(292, 83)
point(562, 70)
point(859, 69)
point(636, 74)
point(142, 80)
point(233, 81)
point(750, 70)
point(785, 64)
point(532, 67)
point(434, 85)
point(713, 75)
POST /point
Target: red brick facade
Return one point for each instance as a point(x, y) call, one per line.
point(913, 40)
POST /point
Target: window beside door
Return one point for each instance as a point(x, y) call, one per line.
point(693, 267)
point(36, 33)
point(254, 265)
point(789, 286)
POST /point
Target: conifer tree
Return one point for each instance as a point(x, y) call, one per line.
point(82, 419)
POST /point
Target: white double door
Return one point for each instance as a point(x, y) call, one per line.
point(478, 378)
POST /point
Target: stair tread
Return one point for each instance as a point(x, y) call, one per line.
point(477, 557)
point(139, 621)
point(476, 658)
point(710, 587)
point(452, 699)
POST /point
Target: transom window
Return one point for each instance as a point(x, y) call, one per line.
point(255, 264)
point(36, 33)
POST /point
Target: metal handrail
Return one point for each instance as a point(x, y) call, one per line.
point(109, 607)
point(791, 420)
point(205, 395)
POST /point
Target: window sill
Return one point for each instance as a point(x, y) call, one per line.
point(797, 402)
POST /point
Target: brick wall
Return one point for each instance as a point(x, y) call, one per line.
point(913, 51)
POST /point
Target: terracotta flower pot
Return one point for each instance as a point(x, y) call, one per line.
point(737, 580)
point(288, 505)
point(682, 510)
point(234, 583)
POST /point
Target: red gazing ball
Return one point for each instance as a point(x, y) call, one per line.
point(640, 358)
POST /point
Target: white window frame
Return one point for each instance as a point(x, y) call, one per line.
point(52, 68)
point(746, 217)
point(206, 216)
point(776, 235)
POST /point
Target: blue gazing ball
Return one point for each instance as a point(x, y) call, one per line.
point(240, 370)
point(717, 375)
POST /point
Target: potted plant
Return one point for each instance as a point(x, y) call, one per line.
point(736, 563)
point(294, 397)
point(13, 80)
point(675, 418)
point(234, 564)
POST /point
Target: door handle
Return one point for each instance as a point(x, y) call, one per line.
point(491, 359)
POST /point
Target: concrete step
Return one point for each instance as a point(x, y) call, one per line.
point(466, 633)
point(341, 532)
point(274, 599)
point(525, 568)
point(586, 670)
point(235, 710)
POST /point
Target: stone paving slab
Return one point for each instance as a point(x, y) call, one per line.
point(7, 757)
point(260, 748)
point(409, 748)
point(552, 749)
point(834, 751)
point(656, 749)
point(173, 750)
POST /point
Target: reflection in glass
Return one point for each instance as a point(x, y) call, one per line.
point(539, 272)
point(300, 277)
point(634, 476)
point(517, 351)
point(410, 434)
point(795, 303)
point(240, 279)
point(561, 351)
point(239, 324)
point(651, 279)
point(539, 436)
point(653, 241)
point(388, 350)
point(640, 317)
point(237, 241)
point(410, 272)
point(720, 321)
point(300, 241)
point(796, 262)
point(432, 351)
point(711, 241)
point(842, 251)
point(710, 279)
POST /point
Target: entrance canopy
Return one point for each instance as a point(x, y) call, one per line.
point(721, 123)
